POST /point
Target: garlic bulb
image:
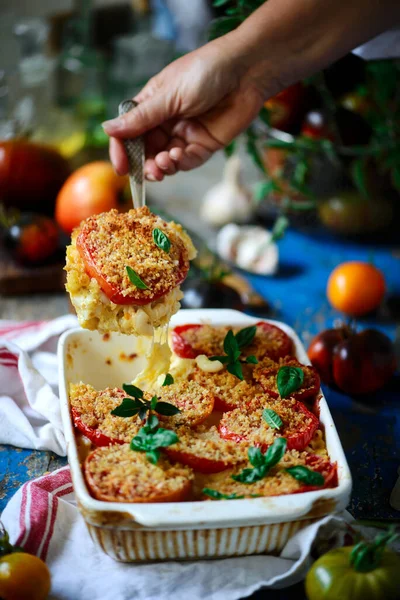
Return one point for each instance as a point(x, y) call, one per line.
point(248, 247)
point(229, 200)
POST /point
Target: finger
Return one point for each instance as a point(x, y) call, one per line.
point(194, 156)
point(165, 163)
point(155, 141)
point(151, 171)
point(147, 115)
point(118, 156)
point(176, 154)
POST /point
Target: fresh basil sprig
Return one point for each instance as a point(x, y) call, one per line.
point(138, 405)
point(135, 279)
point(306, 475)
point(272, 418)
point(169, 380)
point(288, 380)
point(233, 345)
point(161, 240)
point(262, 463)
point(151, 438)
point(219, 496)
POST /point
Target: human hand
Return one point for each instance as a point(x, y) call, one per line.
point(194, 107)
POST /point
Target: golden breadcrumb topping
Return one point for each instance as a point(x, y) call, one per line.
point(228, 388)
point(120, 474)
point(277, 481)
point(95, 409)
point(247, 421)
point(266, 372)
point(96, 312)
point(195, 402)
point(206, 443)
point(116, 240)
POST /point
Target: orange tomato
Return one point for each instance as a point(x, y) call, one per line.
point(92, 189)
point(356, 288)
point(23, 577)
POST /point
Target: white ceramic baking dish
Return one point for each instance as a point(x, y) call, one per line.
point(188, 530)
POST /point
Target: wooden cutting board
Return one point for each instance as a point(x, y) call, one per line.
point(16, 279)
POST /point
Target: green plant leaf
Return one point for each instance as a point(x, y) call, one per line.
point(306, 475)
point(222, 26)
point(132, 390)
point(263, 189)
point(152, 424)
point(166, 409)
point(251, 475)
point(265, 116)
point(256, 457)
point(135, 279)
point(169, 380)
point(219, 496)
point(235, 369)
point(161, 240)
point(153, 402)
point(230, 149)
point(395, 176)
point(164, 437)
point(252, 149)
point(279, 228)
point(223, 359)
point(272, 418)
point(231, 346)
point(217, 3)
point(251, 360)
point(359, 176)
point(143, 412)
point(288, 380)
point(153, 456)
point(245, 336)
point(275, 452)
point(127, 408)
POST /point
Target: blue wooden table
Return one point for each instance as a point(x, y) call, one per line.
point(370, 430)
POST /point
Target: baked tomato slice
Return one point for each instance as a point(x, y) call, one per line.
point(249, 423)
point(119, 474)
point(266, 375)
point(205, 451)
point(94, 435)
point(270, 341)
point(322, 465)
point(109, 242)
point(194, 401)
point(188, 341)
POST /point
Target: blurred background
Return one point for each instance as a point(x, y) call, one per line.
point(323, 156)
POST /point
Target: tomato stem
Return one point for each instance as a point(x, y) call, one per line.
point(367, 556)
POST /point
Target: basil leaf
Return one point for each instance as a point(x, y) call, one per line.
point(166, 409)
point(306, 475)
point(288, 380)
point(230, 344)
point(143, 412)
point(220, 2)
point(132, 390)
point(219, 496)
point(252, 360)
point(138, 443)
point(164, 437)
point(223, 359)
point(152, 424)
point(135, 279)
point(169, 380)
point(235, 369)
point(153, 402)
point(251, 475)
point(256, 457)
point(127, 408)
point(153, 456)
point(245, 336)
point(275, 452)
point(272, 418)
point(161, 240)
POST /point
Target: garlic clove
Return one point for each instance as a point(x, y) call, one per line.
point(250, 248)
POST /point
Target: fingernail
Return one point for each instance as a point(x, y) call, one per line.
point(150, 177)
point(112, 125)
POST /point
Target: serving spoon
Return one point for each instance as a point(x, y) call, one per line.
point(135, 152)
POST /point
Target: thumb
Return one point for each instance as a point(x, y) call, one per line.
point(147, 115)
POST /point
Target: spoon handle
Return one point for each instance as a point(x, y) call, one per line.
point(135, 152)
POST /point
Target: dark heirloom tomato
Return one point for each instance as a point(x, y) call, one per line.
point(180, 345)
point(364, 362)
point(321, 348)
point(32, 239)
point(94, 435)
point(367, 571)
point(284, 108)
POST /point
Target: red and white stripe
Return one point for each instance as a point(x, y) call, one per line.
point(7, 358)
point(38, 511)
point(10, 330)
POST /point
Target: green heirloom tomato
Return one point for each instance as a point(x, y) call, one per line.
point(367, 571)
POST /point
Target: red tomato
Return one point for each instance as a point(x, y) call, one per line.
point(296, 440)
point(180, 345)
point(323, 466)
point(285, 107)
point(94, 435)
point(111, 290)
point(197, 463)
point(321, 348)
point(316, 126)
point(33, 239)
